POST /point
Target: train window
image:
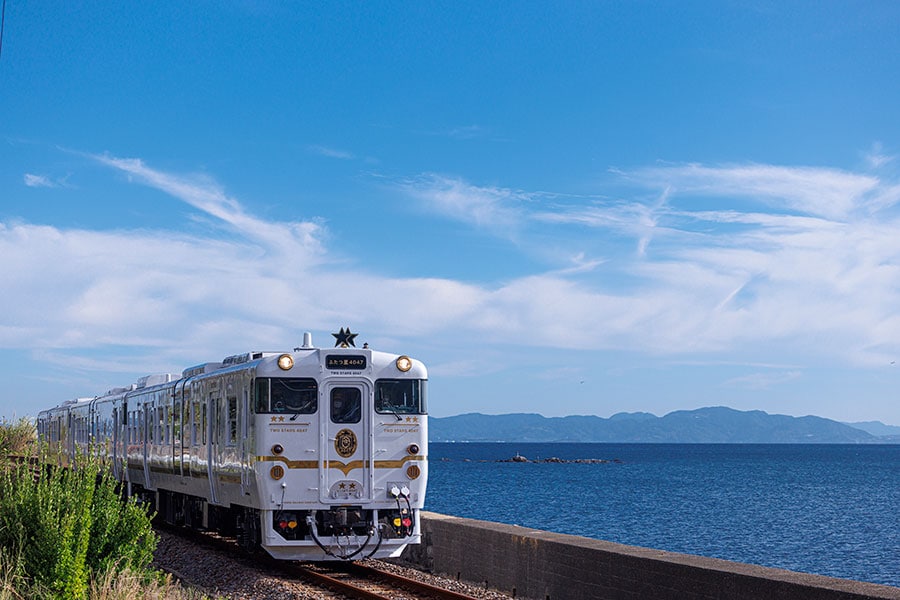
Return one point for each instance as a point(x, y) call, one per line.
point(203, 425)
point(196, 425)
point(261, 396)
point(245, 407)
point(214, 422)
point(176, 423)
point(232, 421)
point(396, 396)
point(160, 425)
point(287, 395)
point(346, 405)
point(195, 409)
point(168, 436)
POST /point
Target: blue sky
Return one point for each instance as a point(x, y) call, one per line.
point(561, 208)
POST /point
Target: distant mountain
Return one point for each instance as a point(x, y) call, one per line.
point(889, 433)
point(704, 425)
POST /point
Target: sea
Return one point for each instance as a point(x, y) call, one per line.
point(826, 509)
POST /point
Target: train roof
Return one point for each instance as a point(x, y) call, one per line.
point(231, 361)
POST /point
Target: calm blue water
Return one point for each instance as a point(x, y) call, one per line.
point(827, 509)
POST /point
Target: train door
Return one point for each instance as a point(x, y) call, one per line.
point(346, 472)
point(212, 448)
point(197, 458)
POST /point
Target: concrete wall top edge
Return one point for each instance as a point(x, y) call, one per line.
point(702, 563)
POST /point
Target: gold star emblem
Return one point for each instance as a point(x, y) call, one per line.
point(281, 419)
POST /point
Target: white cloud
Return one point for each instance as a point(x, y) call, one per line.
point(296, 241)
point(876, 158)
point(329, 152)
point(462, 132)
point(772, 287)
point(830, 193)
point(818, 275)
point(466, 132)
point(32, 180)
point(763, 381)
point(491, 208)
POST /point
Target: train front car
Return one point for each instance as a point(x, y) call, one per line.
point(341, 452)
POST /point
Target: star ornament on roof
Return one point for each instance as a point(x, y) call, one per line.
point(344, 338)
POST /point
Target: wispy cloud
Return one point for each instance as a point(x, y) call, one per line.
point(32, 180)
point(793, 256)
point(330, 152)
point(466, 132)
point(775, 285)
point(876, 157)
point(462, 132)
point(300, 241)
point(830, 193)
point(493, 208)
point(763, 381)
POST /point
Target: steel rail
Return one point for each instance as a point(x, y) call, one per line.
point(337, 585)
point(412, 585)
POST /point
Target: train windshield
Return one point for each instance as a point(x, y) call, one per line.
point(396, 396)
point(286, 395)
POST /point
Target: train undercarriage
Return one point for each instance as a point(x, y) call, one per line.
point(343, 532)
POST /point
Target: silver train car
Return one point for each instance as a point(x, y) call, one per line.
point(313, 454)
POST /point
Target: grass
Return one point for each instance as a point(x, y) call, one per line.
point(130, 585)
point(111, 584)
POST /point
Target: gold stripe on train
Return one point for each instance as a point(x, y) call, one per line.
point(345, 468)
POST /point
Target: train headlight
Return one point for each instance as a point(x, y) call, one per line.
point(404, 363)
point(285, 362)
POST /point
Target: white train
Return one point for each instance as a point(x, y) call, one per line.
point(314, 454)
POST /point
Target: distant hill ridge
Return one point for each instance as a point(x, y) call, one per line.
point(705, 425)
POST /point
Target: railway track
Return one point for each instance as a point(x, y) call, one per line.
point(334, 579)
point(34, 464)
point(365, 582)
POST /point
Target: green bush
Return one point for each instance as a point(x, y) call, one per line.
point(67, 525)
point(16, 438)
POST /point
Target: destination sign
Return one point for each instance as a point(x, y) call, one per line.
point(350, 362)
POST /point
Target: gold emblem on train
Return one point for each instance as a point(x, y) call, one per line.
point(345, 443)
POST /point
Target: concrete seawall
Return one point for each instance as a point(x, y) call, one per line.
point(538, 565)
